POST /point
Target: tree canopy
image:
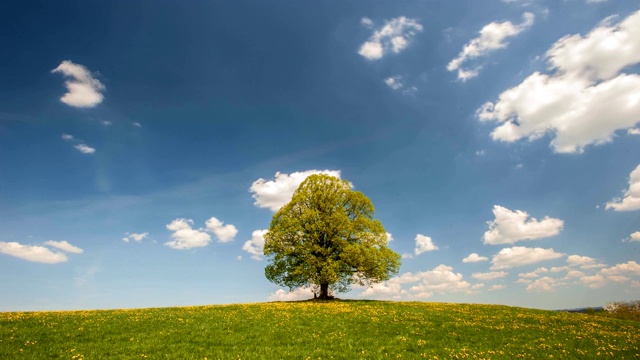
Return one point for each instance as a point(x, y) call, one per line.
point(326, 237)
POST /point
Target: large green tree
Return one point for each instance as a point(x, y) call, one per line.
point(326, 237)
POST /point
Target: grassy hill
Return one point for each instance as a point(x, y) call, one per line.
point(317, 330)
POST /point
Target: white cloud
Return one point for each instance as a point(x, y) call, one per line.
point(224, 233)
point(136, 124)
point(394, 36)
point(519, 256)
point(80, 145)
point(135, 236)
point(545, 283)
point(255, 246)
point(105, 122)
point(83, 90)
point(631, 199)
point(274, 194)
point(534, 274)
point(302, 293)
point(441, 280)
point(497, 287)
point(572, 274)
point(85, 149)
point(473, 257)
point(489, 275)
point(628, 268)
point(366, 22)
point(594, 281)
point(634, 236)
point(512, 226)
point(424, 244)
point(185, 237)
point(634, 131)
point(388, 289)
point(492, 37)
point(389, 237)
point(394, 82)
point(64, 246)
point(577, 260)
point(38, 254)
point(587, 98)
point(556, 269)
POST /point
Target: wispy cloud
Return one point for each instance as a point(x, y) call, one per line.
point(492, 37)
point(79, 144)
point(64, 246)
point(85, 149)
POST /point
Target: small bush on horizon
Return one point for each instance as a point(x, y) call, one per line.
point(627, 310)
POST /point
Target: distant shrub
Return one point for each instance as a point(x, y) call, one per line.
point(624, 310)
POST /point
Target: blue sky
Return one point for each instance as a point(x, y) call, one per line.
point(145, 145)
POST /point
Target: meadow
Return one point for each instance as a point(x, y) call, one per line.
point(318, 330)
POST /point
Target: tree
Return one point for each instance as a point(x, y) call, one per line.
point(326, 236)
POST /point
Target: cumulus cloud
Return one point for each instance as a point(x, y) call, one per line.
point(492, 37)
point(67, 137)
point(64, 246)
point(135, 236)
point(593, 281)
point(274, 194)
point(497, 287)
point(487, 276)
point(424, 244)
point(394, 36)
point(577, 260)
point(534, 274)
point(224, 233)
point(634, 236)
point(473, 257)
point(631, 199)
point(83, 90)
point(33, 253)
point(255, 246)
point(584, 101)
point(302, 293)
point(631, 268)
point(185, 237)
point(441, 280)
point(519, 256)
point(546, 284)
point(512, 226)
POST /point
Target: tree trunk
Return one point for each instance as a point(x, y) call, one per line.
point(324, 291)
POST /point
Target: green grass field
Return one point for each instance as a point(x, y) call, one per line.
point(318, 330)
